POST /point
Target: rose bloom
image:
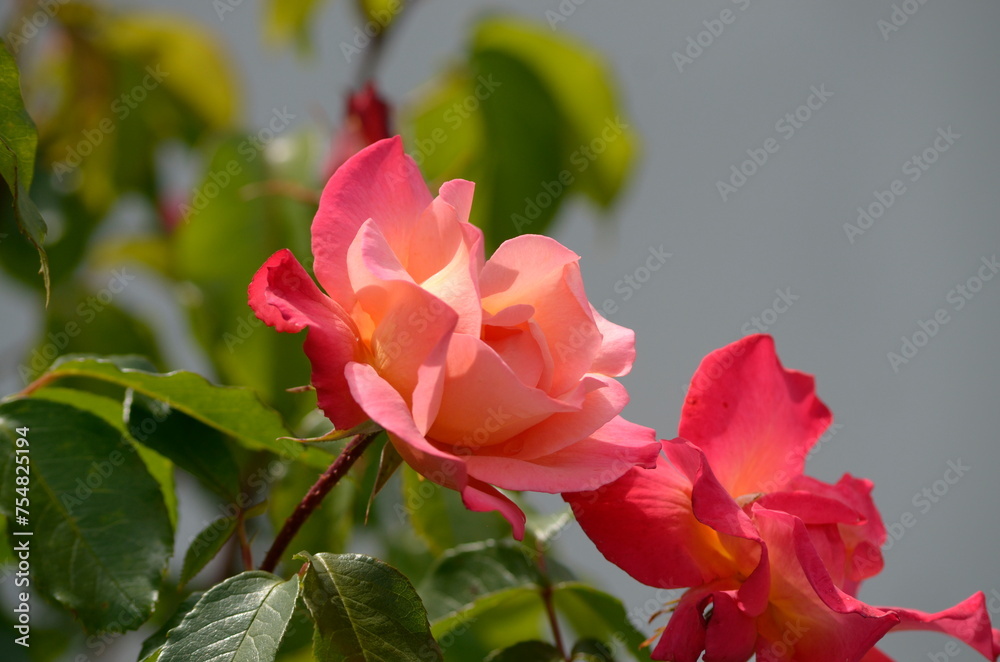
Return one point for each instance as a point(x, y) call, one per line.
point(485, 374)
point(773, 559)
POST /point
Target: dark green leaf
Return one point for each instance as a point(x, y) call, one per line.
point(205, 546)
point(243, 619)
point(111, 411)
point(527, 651)
point(365, 610)
point(236, 412)
point(472, 572)
point(152, 645)
point(18, 142)
point(103, 534)
point(193, 446)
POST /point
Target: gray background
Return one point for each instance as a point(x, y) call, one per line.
point(782, 229)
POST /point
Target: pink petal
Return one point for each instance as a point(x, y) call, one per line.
point(539, 271)
point(968, 621)
point(810, 618)
point(683, 639)
point(755, 420)
point(385, 406)
point(484, 402)
point(442, 258)
point(863, 543)
point(643, 523)
point(283, 295)
point(409, 344)
point(732, 634)
point(381, 183)
point(603, 401)
point(617, 351)
point(480, 497)
point(585, 465)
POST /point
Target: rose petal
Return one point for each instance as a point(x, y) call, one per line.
point(539, 271)
point(968, 621)
point(643, 523)
point(810, 618)
point(283, 295)
point(755, 420)
point(617, 352)
point(385, 406)
point(484, 402)
point(480, 497)
point(585, 465)
point(381, 183)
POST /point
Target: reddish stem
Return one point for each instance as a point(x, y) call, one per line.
point(314, 496)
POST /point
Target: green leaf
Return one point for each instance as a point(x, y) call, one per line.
point(243, 619)
point(490, 623)
point(472, 572)
point(582, 86)
point(440, 519)
point(234, 411)
point(527, 651)
point(18, 142)
point(531, 118)
point(205, 546)
point(597, 615)
point(365, 610)
point(193, 446)
point(151, 646)
point(111, 411)
point(102, 532)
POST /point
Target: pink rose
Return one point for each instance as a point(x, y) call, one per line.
point(485, 374)
point(771, 558)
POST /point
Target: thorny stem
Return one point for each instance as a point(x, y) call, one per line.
point(314, 496)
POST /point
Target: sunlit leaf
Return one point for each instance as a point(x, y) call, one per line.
point(365, 610)
point(243, 619)
point(237, 412)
